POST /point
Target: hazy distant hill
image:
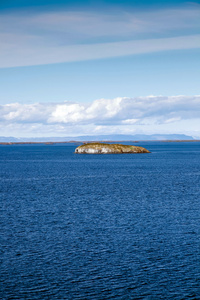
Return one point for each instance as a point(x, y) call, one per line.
point(136, 137)
point(114, 137)
point(6, 139)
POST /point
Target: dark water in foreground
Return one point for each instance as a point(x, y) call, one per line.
point(100, 226)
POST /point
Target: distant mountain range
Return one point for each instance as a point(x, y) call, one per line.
point(112, 137)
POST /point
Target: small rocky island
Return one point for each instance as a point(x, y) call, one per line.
point(101, 148)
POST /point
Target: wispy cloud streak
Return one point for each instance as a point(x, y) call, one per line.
point(34, 38)
point(22, 56)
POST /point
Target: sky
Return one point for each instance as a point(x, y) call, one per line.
point(71, 68)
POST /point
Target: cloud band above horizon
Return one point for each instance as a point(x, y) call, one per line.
point(104, 115)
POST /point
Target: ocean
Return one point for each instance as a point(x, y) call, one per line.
point(115, 226)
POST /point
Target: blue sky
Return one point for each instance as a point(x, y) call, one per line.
point(76, 58)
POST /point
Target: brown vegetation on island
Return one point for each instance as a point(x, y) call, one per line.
point(102, 148)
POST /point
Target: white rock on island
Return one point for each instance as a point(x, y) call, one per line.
point(102, 148)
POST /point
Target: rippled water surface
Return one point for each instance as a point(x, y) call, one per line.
point(100, 226)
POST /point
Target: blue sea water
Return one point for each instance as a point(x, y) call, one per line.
point(78, 226)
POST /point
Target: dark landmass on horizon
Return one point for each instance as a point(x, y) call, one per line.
point(85, 142)
point(97, 138)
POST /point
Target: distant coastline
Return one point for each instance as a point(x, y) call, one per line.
point(83, 142)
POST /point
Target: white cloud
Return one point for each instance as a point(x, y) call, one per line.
point(33, 38)
point(175, 113)
point(67, 113)
point(16, 112)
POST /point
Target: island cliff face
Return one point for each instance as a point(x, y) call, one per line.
point(101, 148)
